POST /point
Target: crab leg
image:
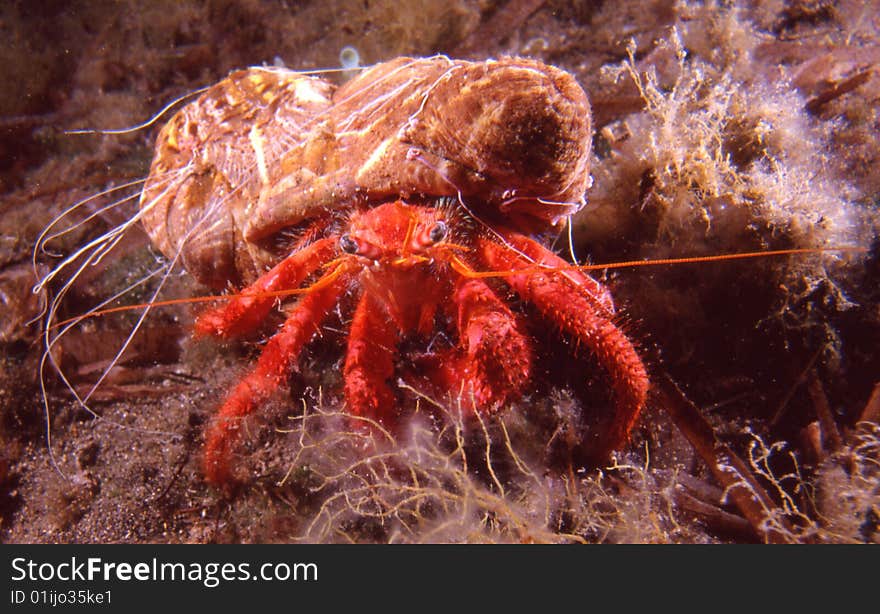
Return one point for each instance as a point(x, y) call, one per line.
point(369, 362)
point(493, 360)
point(281, 351)
point(570, 299)
point(245, 313)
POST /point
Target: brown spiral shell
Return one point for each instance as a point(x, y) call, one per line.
point(265, 149)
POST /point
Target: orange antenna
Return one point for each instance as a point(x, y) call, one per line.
point(723, 257)
point(322, 282)
point(464, 269)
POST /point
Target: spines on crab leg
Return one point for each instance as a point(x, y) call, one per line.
point(247, 311)
point(494, 358)
point(567, 298)
point(281, 351)
point(369, 362)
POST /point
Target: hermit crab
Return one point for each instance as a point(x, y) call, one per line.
point(410, 196)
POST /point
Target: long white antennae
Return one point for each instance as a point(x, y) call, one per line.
point(145, 124)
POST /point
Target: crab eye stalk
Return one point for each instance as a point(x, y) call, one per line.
point(438, 232)
point(347, 244)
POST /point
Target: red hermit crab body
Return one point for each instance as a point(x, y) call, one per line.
point(341, 192)
point(409, 268)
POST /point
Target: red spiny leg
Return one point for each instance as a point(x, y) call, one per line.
point(271, 369)
point(565, 298)
point(591, 289)
point(493, 360)
point(369, 362)
point(245, 314)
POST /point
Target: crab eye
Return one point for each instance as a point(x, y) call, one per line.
point(438, 232)
point(347, 244)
